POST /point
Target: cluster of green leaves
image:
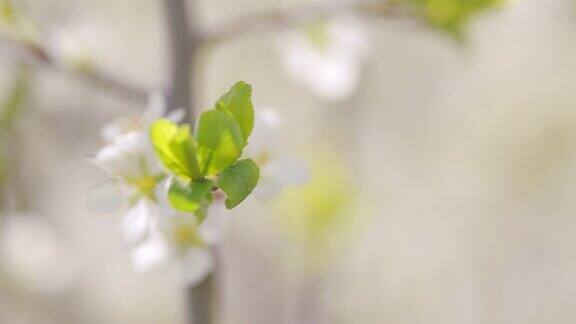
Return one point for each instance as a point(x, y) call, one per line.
point(452, 15)
point(209, 159)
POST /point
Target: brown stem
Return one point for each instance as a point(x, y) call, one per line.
point(181, 92)
point(35, 54)
point(204, 300)
point(200, 301)
point(183, 49)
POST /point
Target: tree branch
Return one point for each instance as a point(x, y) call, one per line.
point(186, 39)
point(181, 92)
point(183, 47)
point(276, 19)
point(34, 54)
point(204, 301)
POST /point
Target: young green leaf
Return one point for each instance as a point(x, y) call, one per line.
point(238, 181)
point(174, 146)
point(189, 197)
point(220, 141)
point(238, 101)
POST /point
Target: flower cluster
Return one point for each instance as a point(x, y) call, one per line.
point(173, 183)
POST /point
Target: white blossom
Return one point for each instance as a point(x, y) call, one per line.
point(156, 109)
point(277, 170)
point(156, 233)
point(128, 153)
point(154, 250)
point(177, 240)
point(129, 157)
point(77, 43)
point(281, 173)
point(196, 266)
point(327, 57)
point(139, 221)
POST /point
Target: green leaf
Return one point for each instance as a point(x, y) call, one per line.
point(238, 181)
point(238, 101)
point(189, 197)
point(174, 146)
point(220, 141)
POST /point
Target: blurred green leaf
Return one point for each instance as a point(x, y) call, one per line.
point(238, 101)
point(220, 141)
point(189, 197)
point(452, 15)
point(238, 181)
point(320, 209)
point(6, 11)
point(174, 146)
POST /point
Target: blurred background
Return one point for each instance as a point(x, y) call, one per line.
point(446, 177)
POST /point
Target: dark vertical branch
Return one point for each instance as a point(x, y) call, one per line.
point(202, 300)
point(183, 46)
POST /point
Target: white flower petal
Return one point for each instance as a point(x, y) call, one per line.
point(155, 110)
point(125, 155)
point(281, 173)
point(133, 141)
point(111, 159)
point(197, 263)
point(137, 221)
point(332, 71)
point(112, 131)
point(264, 138)
point(150, 253)
point(216, 224)
point(176, 116)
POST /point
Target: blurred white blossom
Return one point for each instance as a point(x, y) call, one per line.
point(156, 109)
point(128, 155)
point(277, 170)
point(79, 43)
point(155, 232)
point(326, 57)
point(176, 239)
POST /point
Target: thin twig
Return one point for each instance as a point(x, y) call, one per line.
point(35, 54)
point(275, 19)
point(187, 40)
